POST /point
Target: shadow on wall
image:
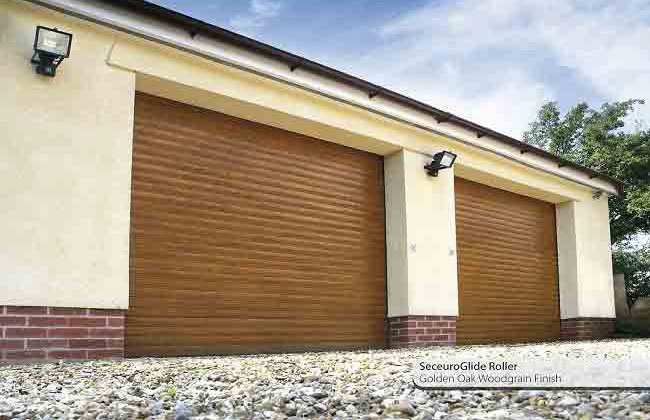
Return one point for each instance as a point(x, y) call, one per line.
point(634, 321)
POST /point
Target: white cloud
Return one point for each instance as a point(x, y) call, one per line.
point(496, 61)
point(608, 46)
point(259, 12)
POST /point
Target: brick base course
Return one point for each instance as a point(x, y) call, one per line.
point(587, 328)
point(422, 330)
point(33, 333)
point(40, 333)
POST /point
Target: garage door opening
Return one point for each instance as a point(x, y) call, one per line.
point(247, 238)
point(507, 266)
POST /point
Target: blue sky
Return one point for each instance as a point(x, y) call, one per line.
point(492, 61)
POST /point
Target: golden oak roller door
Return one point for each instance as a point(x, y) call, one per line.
point(507, 263)
point(247, 238)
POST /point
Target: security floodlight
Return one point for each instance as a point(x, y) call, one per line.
point(51, 46)
point(441, 160)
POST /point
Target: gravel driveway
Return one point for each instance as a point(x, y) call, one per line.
point(369, 385)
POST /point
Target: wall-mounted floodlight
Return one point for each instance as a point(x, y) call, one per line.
point(441, 160)
point(51, 46)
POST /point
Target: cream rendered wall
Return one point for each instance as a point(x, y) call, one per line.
point(567, 252)
point(65, 159)
point(69, 162)
point(584, 259)
point(431, 235)
point(421, 238)
point(595, 272)
point(397, 270)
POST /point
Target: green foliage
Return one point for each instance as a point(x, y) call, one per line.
point(635, 264)
point(595, 138)
point(561, 136)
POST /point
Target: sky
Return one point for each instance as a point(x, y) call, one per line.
point(491, 61)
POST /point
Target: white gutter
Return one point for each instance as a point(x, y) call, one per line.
point(91, 11)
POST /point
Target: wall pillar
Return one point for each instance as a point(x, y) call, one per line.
point(421, 252)
point(586, 286)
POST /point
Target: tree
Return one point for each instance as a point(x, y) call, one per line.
point(596, 139)
point(635, 264)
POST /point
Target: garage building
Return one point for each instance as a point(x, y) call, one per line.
point(178, 189)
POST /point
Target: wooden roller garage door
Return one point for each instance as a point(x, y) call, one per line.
point(507, 262)
point(247, 238)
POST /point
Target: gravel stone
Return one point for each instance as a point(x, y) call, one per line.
point(368, 385)
point(567, 402)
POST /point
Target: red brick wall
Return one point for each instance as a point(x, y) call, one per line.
point(30, 333)
point(422, 330)
point(587, 328)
